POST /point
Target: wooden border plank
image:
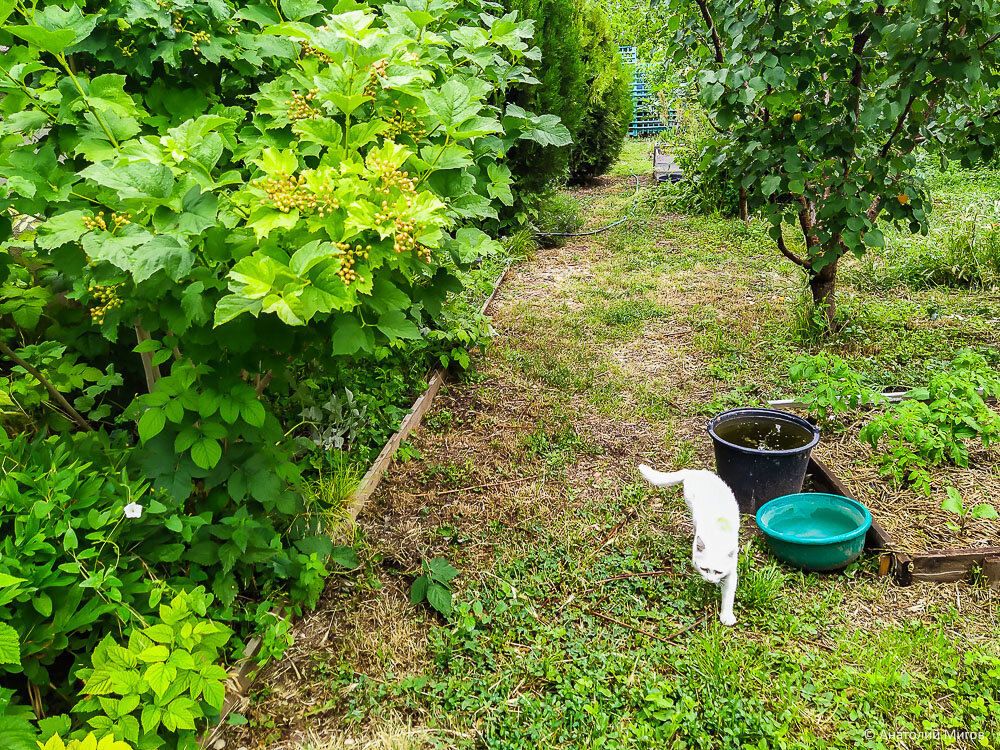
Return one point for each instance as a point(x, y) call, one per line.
point(991, 571)
point(947, 565)
point(372, 478)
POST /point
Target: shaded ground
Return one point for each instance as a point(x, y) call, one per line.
point(578, 621)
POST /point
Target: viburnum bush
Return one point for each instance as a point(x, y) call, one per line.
point(224, 200)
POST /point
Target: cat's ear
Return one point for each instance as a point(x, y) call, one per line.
point(699, 544)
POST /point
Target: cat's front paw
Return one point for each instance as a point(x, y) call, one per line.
point(727, 618)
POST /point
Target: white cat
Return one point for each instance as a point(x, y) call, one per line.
point(715, 552)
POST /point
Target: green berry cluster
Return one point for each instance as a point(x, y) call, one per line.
point(108, 298)
point(198, 38)
point(99, 222)
point(402, 124)
point(376, 72)
point(309, 51)
point(285, 193)
point(300, 107)
point(351, 253)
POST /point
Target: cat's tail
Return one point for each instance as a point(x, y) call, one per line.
point(660, 478)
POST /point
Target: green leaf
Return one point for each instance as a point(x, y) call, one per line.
point(453, 103)
point(233, 305)
point(138, 179)
point(163, 252)
point(160, 676)
point(441, 570)
point(396, 325)
point(439, 597)
point(296, 10)
point(6, 8)
point(151, 715)
point(345, 557)
point(61, 229)
point(770, 184)
point(984, 510)
point(206, 453)
point(42, 603)
point(10, 645)
point(49, 41)
point(214, 693)
point(159, 633)
point(151, 423)
point(953, 502)
point(7, 580)
point(874, 238)
point(321, 130)
point(253, 413)
point(348, 337)
point(154, 653)
point(419, 589)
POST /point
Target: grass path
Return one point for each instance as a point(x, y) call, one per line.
point(578, 620)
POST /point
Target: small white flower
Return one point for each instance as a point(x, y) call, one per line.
point(133, 510)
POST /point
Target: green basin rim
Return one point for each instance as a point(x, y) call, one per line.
point(812, 541)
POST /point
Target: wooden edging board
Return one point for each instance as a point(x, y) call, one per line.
point(243, 675)
point(941, 565)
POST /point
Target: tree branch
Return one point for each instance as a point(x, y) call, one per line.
point(56, 395)
point(790, 255)
point(151, 371)
point(716, 42)
point(989, 41)
point(897, 129)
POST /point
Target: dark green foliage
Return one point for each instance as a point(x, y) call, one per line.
point(563, 76)
point(583, 81)
point(601, 134)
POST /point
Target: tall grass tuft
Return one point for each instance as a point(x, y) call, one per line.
point(962, 253)
point(329, 494)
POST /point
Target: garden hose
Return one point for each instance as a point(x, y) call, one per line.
point(602, 229)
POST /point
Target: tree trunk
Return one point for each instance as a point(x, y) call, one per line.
point(743, 206)
point(823, 285)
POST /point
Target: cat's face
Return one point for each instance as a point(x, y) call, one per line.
point(713, 563)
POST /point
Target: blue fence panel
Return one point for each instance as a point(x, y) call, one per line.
point(645, 110)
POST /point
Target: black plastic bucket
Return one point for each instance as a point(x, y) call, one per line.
point(761, 453)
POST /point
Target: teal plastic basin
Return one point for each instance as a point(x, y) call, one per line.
point(814, 530)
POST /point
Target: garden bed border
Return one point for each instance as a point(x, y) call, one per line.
point(940, 565)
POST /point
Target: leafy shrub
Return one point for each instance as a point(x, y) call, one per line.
point(953, 504)
point(342, 245)
point(69, 570)
point(836, 389)
point(931, 426)
point(16, 729)
point(601, 133)
point(692, 144)
point(435, 585)
point(166, 675)
point(227, 200)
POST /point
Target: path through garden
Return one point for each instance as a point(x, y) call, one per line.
point(577, 616)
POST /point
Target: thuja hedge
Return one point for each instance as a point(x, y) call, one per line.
point(226, 201)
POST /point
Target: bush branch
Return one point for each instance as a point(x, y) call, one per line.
point(56, 395)
point(716, 42)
